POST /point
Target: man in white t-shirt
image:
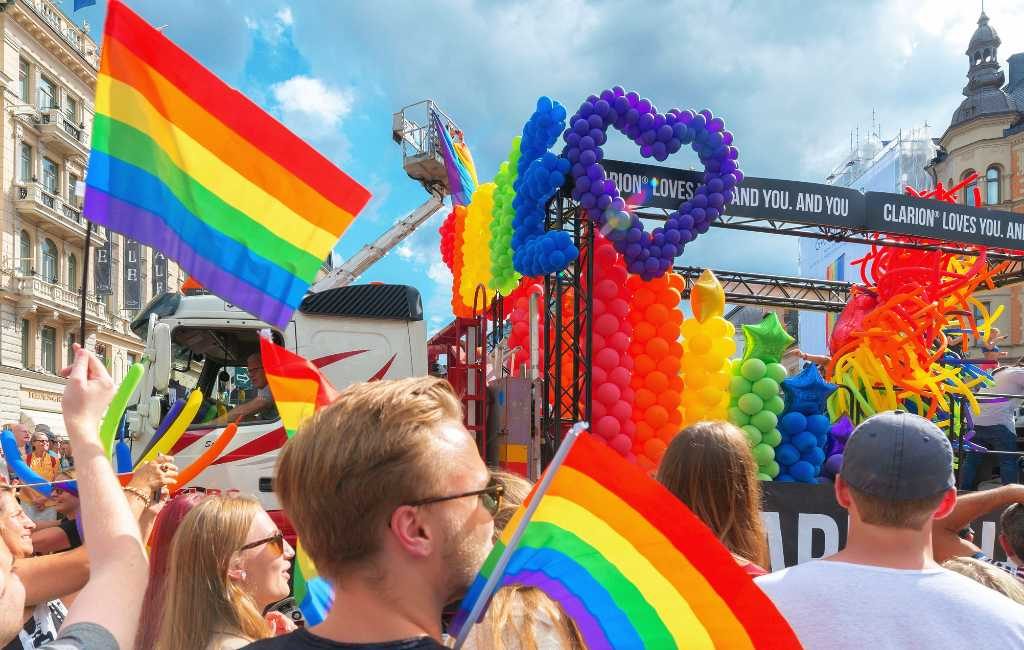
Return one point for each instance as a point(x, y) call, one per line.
point(885, 590)
point(995, 427)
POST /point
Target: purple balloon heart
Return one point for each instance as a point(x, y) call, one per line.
point(658, 135)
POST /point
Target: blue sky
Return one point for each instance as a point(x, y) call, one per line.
point(791, 79)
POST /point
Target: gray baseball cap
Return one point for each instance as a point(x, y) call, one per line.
point(898, 456)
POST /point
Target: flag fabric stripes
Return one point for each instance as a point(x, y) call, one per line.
point(459, 165)
point(299, 389)
point(630, 564)
point(184, 163)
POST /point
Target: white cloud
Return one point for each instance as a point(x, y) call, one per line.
point(440, 273)
point(405, 251)
point(284, 15)
point(304, 98)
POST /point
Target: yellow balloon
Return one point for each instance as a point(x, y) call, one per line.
point(476, 239)
point(707, 297)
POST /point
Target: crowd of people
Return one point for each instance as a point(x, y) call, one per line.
point(393, 503)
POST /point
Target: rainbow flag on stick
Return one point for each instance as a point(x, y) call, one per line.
point(299, 389)
point(626, 560)
point(458, 163)
point(186, 164)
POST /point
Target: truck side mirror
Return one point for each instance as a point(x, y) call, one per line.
point(161, 356)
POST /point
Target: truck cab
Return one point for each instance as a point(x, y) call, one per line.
point(353, 333)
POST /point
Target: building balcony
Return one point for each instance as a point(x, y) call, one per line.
point(61, 133)
point(53, 214)
point(50, 300)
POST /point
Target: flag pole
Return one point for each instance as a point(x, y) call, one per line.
point(85, 281)
point(499, 568)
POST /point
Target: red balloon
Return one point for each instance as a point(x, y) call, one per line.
point(608, 393)
point(605, 324)
point(619, 341)
point(643, 297)
point(607, 427)
point(597, 410)
point(607, 358)
point(621, 444)
point(629, 395)
point(634, 282)
point(629, 428)
point(644, 431)
point(656, 314)
point(598, 375)
point(606, 290)
point(621, 410)
point(620, 377)
point(617, 274)
point(619, 307)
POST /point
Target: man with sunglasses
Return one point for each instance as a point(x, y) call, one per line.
point(390, 498)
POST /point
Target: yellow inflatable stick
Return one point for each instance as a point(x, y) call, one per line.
point(177, 428)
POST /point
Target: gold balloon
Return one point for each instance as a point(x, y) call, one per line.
point(707, 297)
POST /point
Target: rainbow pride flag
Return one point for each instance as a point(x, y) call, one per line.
point(299, 389)
point(458, 162)
point(629, 563)
point(186, 164)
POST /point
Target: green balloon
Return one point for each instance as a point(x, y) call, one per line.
point(753, 434)
point(750, 403)
point(763, 477)
point(738, 417)
point(739, 386)
point(753, 369)
point(765, 421)
point(736, 365)
point(772, 469)
point(773, 438)
point(763, 454)
point(765, 388)
point(775, 404)
point(776, 371)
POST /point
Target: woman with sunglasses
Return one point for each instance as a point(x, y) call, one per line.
point(229, 562)
point(60, 535)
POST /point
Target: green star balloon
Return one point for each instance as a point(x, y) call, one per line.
point(767, 340)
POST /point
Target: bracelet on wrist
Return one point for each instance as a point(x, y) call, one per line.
point(136, 492)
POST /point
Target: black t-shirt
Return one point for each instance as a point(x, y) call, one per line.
point(302, 639)
point(70, 529)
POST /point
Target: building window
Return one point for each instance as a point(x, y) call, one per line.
point(47, 94)
point(26, 163)
point(992, 186)
point(72, 182)
point(101, 354)
point(50, 176)
point(49, 261)
point(72, 272)
point(71, 108)
point(23, 75)
point(48, 349)
point(70, 351)
point(26, 344)
point(969, 189)
point(25, 264)
point(132, 359)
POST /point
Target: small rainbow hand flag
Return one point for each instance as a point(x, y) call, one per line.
point(628, 562)
point(186, 164)
point(299, 389)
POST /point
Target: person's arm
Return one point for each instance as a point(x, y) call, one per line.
point(50, 540)
point(149, 515)
point(112, 598)
point(52, 576)
point(242, 411)
point(819, 359)
point(946, 540)
point(147, 480)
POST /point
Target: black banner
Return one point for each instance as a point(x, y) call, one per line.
point(796, 201)
point(132, 280)
point(907, 215)
point(805, 522)
point(830, 206)
point(159, 273)
point(101, 268)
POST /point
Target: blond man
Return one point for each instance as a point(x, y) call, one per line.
point(392, 502)
point(885, 590)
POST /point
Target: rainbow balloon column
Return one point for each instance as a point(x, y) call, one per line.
point(504, 277)
point(476, 252)
point(804, 426)
point(612, 404)
point(755, 403)
point(707, 345)
point(656, 351)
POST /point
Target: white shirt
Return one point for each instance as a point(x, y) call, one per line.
point(1007, 382)
point(838, 605)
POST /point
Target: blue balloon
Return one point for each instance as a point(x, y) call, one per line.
point(807, 391)
point(804, 441)
point(818, 424)
point(18, 465)
point(793, 423)
point(786, 454)
point(802, 471)
point(785, 478)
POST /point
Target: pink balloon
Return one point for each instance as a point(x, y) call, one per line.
point(620, 377)
point(606, 358)
point(597, 410)
point(598, 376)
point(617, 274)
point(621, 409)
point(608, 393)
point(604, 254)
point(606, 290)
point(607, 427)
point(619, 307)
point(606, 324)
point(621, 444)
point(628, 394)
point(629, 428)
point(600, 307)
point(618, 340)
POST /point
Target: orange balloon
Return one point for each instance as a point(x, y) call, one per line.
point(656, 314)
point(645, 463)
point(667, 431)
point(207, 457)
point(656, 416)
point(670, 297)
point(675, 349)
point(644, 432)
point(668, 331)
point(643, 364)
point(654, 449)
point(657, 382)
point(669, 400)
point(675, 383)
point(643, 399)
point(669, 365)
point(676, 281)
point(643, 297)
point(657, 347)
point(644, 331)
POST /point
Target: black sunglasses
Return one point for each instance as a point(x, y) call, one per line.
point(276, 542)
point(490, 497)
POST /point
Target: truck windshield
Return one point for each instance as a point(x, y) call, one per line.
point(224, 364)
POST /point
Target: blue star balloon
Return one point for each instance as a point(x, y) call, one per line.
point(767, 340)
point(807, 391)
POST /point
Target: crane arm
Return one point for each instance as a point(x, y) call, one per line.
point(371, 253)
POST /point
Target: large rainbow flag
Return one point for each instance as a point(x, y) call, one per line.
point(299, 389)
point(630, 564)
point(186, 164)
point(458, 163)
